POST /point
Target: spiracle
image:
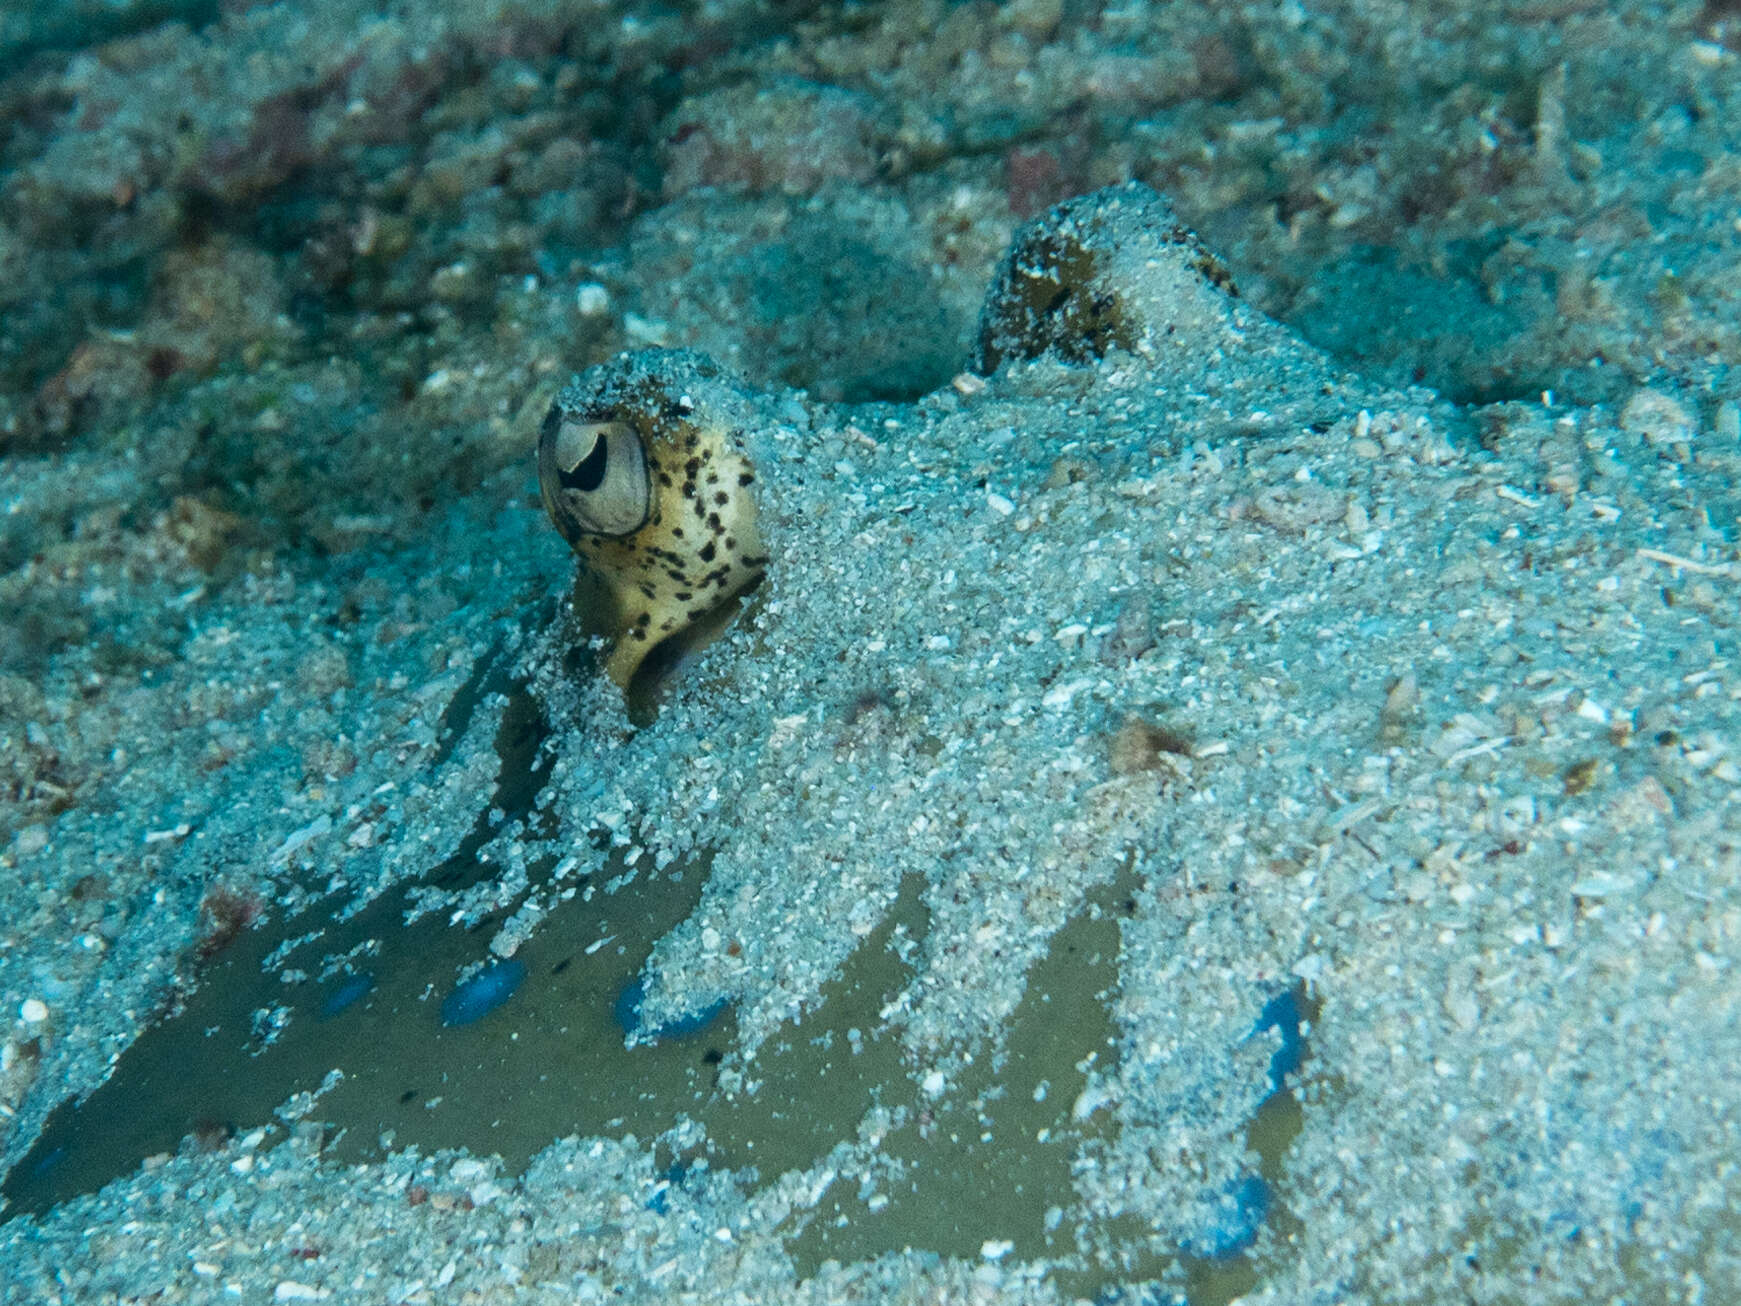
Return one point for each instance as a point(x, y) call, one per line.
point(1114, 269)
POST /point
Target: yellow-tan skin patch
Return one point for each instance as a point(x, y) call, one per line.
point(656, 502)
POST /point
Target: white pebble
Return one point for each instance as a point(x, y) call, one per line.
point(1060, 695)
point(34, 1011)
point(1070, 636)
point(291, 1290)
point(592, 299)
point(1727, 422)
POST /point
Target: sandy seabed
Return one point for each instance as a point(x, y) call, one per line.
point(1223, 794)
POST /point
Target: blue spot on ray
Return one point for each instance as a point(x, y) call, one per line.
point(49, 1161)
point(1240, 1212)
point(1139, 1294)
point(1242, 1207)
point(351, 991)
point(475, 998)
point(627, 1010)
point(1282, 1013)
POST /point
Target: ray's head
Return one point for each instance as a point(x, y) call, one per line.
point(649, 484)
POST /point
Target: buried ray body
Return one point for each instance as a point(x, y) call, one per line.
point(644, 474)
point(645, 469)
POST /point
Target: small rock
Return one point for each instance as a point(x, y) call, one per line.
point(1656, 417)
point(792, 136)
point(592, 299)
point(1138, 746)
point(290, 1290)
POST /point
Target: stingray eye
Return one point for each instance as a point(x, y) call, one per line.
point(594, 475)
